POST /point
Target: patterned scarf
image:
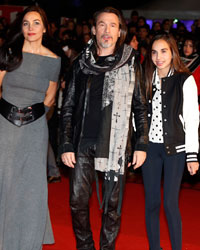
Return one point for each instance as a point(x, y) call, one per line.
point(119, 82)
point(118, 89)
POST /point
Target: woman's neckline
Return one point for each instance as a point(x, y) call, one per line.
point(39, 55)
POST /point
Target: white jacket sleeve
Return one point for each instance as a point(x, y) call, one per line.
point(191, 118)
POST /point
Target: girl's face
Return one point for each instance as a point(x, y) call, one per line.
point(161, 56)
point(33, 27)
point(188, 48)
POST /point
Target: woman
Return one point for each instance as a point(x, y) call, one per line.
point(191, 58)
point(173, 135)
point(132, 40)
point(28, 76)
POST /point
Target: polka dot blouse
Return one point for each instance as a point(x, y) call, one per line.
point(156, 128)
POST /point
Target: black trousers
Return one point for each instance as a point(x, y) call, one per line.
point(81, 180)
point(173, 167)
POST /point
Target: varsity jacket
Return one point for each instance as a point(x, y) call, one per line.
point(180, 115)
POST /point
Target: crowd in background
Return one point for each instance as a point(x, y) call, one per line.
point(70, 36)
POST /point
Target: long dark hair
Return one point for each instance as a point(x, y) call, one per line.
point(195, 43)
point(122, 24)
point(176, 62)
point(11, 51)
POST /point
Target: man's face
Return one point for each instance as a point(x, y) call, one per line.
point(107, 31)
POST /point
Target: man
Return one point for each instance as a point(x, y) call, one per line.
point(104, 91)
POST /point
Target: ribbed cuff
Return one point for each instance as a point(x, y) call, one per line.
point(191, 157)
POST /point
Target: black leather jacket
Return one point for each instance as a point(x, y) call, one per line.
point(75, 101)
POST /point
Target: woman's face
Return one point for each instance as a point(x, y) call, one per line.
point(161, 56)
point(33, 27)
point(134, 43)
point(188, 48)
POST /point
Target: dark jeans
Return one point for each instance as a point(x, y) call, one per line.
point(81, 179)
point(173, 167)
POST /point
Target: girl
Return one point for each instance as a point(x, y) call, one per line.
point(173, 135)
point(191, 59)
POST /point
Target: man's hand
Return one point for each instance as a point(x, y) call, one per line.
point(192, 167)
point(138, 159)
point(68, 159)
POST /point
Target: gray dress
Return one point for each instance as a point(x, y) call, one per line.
point(24, 217)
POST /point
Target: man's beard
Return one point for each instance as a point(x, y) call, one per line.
point(105, 45)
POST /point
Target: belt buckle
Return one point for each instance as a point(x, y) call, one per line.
point(29, 118)
point(16, 116)
point(20, 111)
point(14, 110)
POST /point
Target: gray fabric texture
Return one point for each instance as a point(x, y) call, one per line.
point(24, 217)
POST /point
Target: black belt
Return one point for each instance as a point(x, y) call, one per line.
point(21, 116)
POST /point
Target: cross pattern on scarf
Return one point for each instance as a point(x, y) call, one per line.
point(116, 115)
point(122, 88)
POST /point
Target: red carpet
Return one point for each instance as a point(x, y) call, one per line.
point(133, 234)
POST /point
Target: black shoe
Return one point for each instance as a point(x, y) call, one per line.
point(53, 179)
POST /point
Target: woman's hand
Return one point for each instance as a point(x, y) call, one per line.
point(2, 74)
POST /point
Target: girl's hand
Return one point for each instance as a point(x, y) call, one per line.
point(192, 167)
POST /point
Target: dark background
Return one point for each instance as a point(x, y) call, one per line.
point(76, 8)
